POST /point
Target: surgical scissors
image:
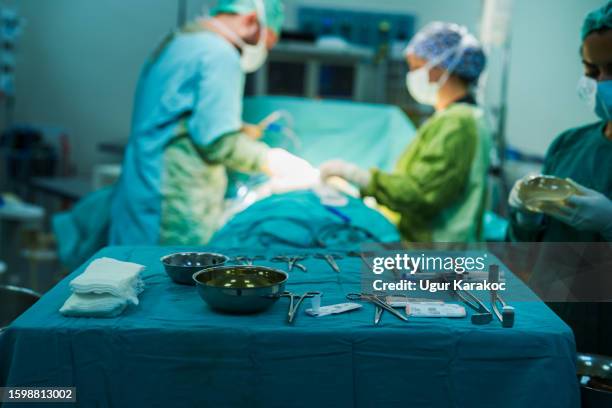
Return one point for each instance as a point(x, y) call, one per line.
point(292, 261)
point(380, 304)
point(331, 260)
point(294, 306)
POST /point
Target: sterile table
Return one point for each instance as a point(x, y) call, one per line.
point(173, 351)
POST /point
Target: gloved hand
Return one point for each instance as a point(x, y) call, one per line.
point(523, 216)
point(348, 171)
point(282, 164)
point(588, 211)
point(253, 132)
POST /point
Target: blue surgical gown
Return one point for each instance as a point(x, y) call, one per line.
point(188, 97)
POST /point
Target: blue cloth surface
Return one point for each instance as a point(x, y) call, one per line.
point(299, 220)
point(172, 350)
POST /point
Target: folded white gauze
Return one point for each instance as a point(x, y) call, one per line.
point(93, 305)
point(110, 276)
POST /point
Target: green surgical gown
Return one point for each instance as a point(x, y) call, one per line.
point(439, 186)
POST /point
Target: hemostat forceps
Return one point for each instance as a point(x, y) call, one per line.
point(483, 315)
point(292, 261)
point(361, 255)
point(380, 304)
point(247, 260)
point(506, 316)
point(295, 306)
point(331, 260)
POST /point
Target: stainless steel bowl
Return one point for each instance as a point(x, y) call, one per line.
point(240, 289)
point(595, 377)
point(181, 266)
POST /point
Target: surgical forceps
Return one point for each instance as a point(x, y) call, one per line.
point(331, 260)
point(506, 316)
point(295, 306)
point(292, 261)
point(362, 255)
point(380, 304)
point(483, 315)
point(247, 260)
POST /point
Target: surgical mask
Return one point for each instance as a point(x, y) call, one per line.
point(423, 91)
point(252, 56)
point(417, 81)
point(597, 95)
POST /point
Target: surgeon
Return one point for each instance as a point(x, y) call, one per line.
point(187, 130)
point(584, 156)
point(439, 186)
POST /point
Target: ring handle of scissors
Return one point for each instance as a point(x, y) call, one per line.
point(291, 296)
point(355, 296)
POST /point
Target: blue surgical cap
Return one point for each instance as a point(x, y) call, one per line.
point(451, 47)
point(274, 10)
point(597, 20)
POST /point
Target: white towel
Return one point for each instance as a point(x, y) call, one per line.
point(104, 289)
point(93, 305)
point(110, 276)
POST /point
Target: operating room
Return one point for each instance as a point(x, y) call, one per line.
point(205, 202)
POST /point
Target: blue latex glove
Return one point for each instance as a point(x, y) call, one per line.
point(588, 211)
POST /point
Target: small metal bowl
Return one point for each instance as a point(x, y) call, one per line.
point(181, 266)
point(240, 289)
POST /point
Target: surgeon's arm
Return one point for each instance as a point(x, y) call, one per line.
point(237, 151)
point(215, 125)
point(438, 174)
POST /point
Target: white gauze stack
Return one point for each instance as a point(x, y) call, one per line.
point(105, 289)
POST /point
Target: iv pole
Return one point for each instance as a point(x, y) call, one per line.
point(496, 37)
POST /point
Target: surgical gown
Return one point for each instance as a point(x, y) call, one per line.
point(439, 186)
point(583, 154)
point(185, 133)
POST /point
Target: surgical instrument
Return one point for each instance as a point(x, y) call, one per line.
point(246, 259)
point(361, 255)
point(331, 260)
point(292, 261)
point(506, 316)
point(380, 304)
point(295, 306)
point(483, 315)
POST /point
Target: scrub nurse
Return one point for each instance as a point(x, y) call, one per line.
point(583, 155)
point(438, 189)
point(187, 128)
